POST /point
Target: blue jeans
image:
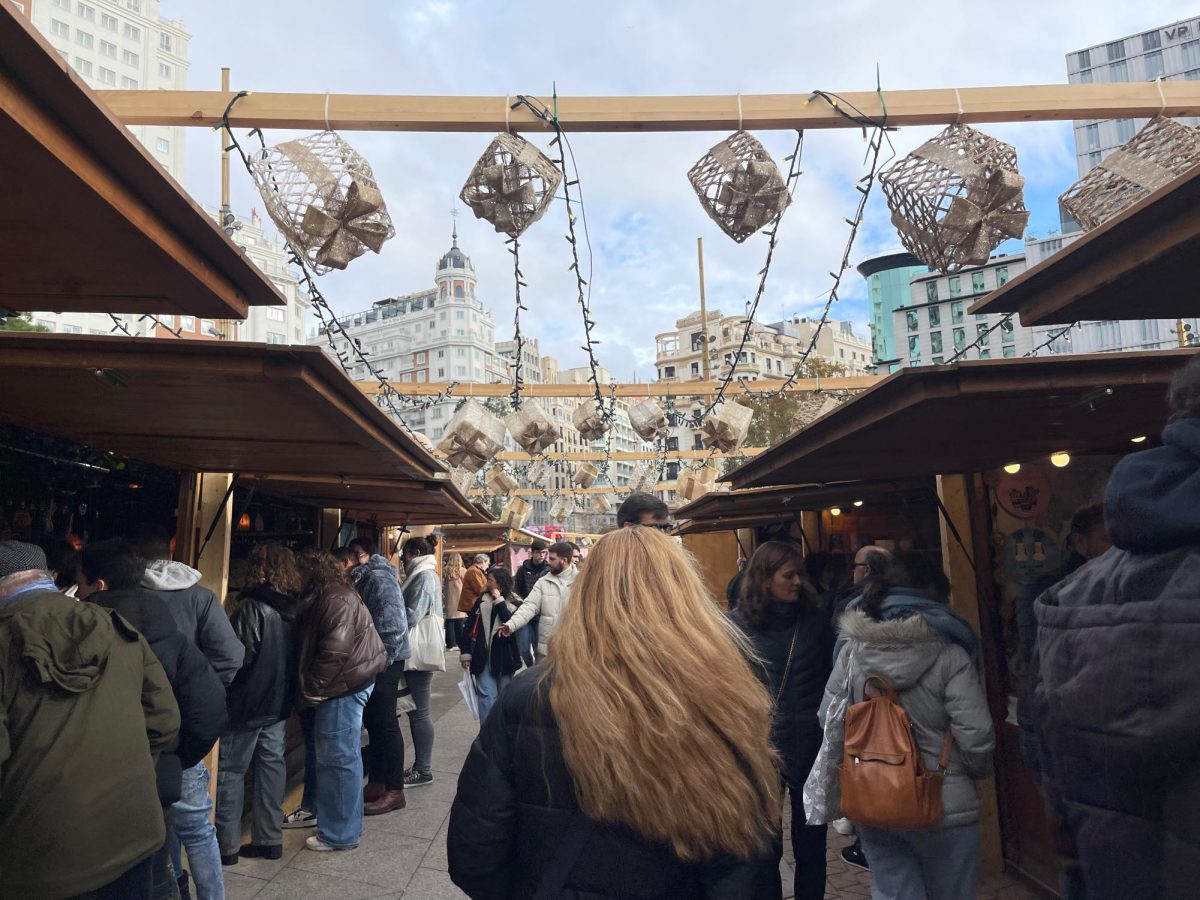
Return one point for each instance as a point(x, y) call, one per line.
point(261, 748)
point(337, 733)
point(488, 687)
point(190, 821)
point(527, 641)
point(915, 865)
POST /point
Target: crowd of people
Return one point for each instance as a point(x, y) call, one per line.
point(638, 739)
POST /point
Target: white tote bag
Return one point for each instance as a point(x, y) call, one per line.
point(427, 639)
point(467, 688)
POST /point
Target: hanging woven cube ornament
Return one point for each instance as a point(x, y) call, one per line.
point(321, 193)
point(531, 428)
point(515, 513)
point(1159, 153)
point(726, 429)
point(601, 503)
point(739, 185)
point(956, 198)
point(585, 476)
point(511, 185)
point(537, 473)
point(644, 478)
point(472, 437)
point(693, 484)
point(589, 422)
point(463, 479)
point(562, 509)
point(500, 482)
point(648, 420)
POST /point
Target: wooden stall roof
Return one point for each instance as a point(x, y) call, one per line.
point(287, 416)
point(1138, 265)
point(752, 507)
point(974, 416)
point(484, 538)
point(91, 222)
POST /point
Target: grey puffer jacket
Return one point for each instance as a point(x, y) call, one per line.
point(939, 688)
point(377, 584)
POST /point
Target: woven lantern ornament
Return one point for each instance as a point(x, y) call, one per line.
point(562, 509)
point(586, 475)
point(462, 478)
point(511, 184)
point(531, 428)
point(601, 503)
point(515, 513)
point(323, 196)
point(739, 185)
point(472, 437)
point(956, 198)
point(644, 478)
point(589, 422)
point(499, 481)
point(693, 484)
point(537, 473)
point(1159, 153)
point(648, 420)
point(726, 429)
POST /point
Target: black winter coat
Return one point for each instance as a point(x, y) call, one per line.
point(198, 690)
point(515, 801)
point(264, 690)
point(528, 575)
point(500, 655)
point(795, 730)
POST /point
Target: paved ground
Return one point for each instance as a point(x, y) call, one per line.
point(403, 854)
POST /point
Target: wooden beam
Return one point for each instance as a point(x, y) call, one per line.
point(938, 106)
point(564, 492)
point(620, 455)
point(636, 391)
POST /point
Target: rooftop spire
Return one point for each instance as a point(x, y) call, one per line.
point(454, 234)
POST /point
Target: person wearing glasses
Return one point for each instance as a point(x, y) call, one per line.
point(548, 598)
point(644, 509)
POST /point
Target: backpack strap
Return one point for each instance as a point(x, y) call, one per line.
point(554, 879)
point(944, 757)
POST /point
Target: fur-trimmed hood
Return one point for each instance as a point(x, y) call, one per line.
point(901, 649)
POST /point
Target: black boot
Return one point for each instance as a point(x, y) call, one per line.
point(184, 893)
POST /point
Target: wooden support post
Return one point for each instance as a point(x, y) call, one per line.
point(954, 491)
point(213, 560)
point(328, 527)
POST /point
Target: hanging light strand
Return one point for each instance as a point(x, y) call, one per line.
point(1054, 336)
point(518, 377)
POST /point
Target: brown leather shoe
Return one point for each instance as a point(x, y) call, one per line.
point(373, 791)
point(390, 801)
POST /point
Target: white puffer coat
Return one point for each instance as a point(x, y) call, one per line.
point(548, 599)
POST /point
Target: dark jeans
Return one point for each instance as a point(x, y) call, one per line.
point(420, 720)
point(527, 641)
point(808, 846)
point(385, 753)
point(134, 884)
point(454, 632)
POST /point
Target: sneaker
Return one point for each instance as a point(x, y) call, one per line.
point(413, 778)
point(301, 818)
point(853, 856)
point(315, 843)
point(844, 827)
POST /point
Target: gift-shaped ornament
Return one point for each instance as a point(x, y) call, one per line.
point(589, 422)
point(1159, 153)
point(537, 473)
point(511, 184)
point(739, 185)
point(472, 437)
point(693, 484)
point(727, 427)
point(644, 478)
point(531, 428)
point(499, 481)
point(463, 479)
point(956, 198)
point(648, 420)
point(323, 196)
point(562, 509)
point(515, 513)
point(601, 503)
point(585, 475)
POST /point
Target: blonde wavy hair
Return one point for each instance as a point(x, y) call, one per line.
point(454, 566)
point(664, 727)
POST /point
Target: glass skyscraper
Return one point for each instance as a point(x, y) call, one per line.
point(888, 275)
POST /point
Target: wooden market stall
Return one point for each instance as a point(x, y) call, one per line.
point(498, 541)
point(1059, 425)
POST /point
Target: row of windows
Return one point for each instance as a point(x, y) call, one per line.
point(955, 284)
point(108, 76)
point(1118, 66)
point(959, 338)
point(1008, 353)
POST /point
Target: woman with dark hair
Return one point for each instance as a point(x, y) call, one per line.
point(260, 701)
point(927, 652)
point(781, 615)
point(492, 658)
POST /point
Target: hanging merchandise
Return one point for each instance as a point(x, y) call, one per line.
point(562, 509)
point(644, 478)
point(726, 429)
point(693, 484)
point(589, 422)
point(499, 481)
point(601, 503)
point(739, 185)
point(511, 185)
point(956, 198)
point(531, 428)
point(462, 478)
point(324, 198)
point(586, 475)
point(648, 420)
point(537, 473)
point(1159, 153)
point(472, 437)
point(515, 513)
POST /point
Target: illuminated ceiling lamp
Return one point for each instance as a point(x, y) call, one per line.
point(858, 503)
point(1141, 439)
point(243, 522)
point(1061, 459)
point(1012, 468)
point(835, 510)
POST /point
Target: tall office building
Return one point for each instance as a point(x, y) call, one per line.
point(888, 275)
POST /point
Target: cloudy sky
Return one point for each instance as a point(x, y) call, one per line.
point(643, 215)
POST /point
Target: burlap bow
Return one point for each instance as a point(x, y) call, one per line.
point(515, 512)
point(536, 435)
point(591, 426)
point(470, 451)
point(754, 195)
point(500, 482)
point(715, 433)
point(511, 185)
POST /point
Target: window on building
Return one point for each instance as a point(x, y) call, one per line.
point(135, 5)
point(1118, 71)
point(1151, 40)
point(274, 337)
point(441, 373)
point(47, 324)
point(1093, 159)
point(1125, 129)
point(938, 360)
point(1192, 75)
point(956, 312)
point(985, 354)
point(914, 346)
point(1001, 275)
point(164, 70)
point(460, 352)
point(108, 22)
point(84, 39)
point(421, 357)
point(1154, 65)
point(1115, 50)
point(432, 325)
point(1010, 352)
point(1008, 331)
point(1085, 77)
point(935, 342)
point(697, 441)
point(931, 292)
point(695, 368)
point(441, 354)
point(72, 329)
point(130, 58)
point(673, 444)
point(162, 145)
point(935, 316)
point(207, 326)
point(83, 67)
point(458, 291)
point(275, 314)
point(407, 376)
point(913, 322)
point(106, 76)
point(133, 32)
point(842, 352)
point(1191, 54)
point(85, 12)
point(63, 4)
point(977, 282)
point(187, 323)
point(955, 286)
point(672, 471)
point(421, 376)
point(460, 314)
point(1091, 136)
point(60, 29)
point(1084, 58)
point(129, 84)
point(108, 49)
point(982, 334)
point(164, 41)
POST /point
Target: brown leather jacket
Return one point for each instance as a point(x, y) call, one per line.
point(340, 651)
point(474, 583)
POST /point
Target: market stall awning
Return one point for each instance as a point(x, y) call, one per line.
point(974, 416)
point(1138, 265)
point(754, 507)
point(91, 223)
point(484, 538)
point(286, 418)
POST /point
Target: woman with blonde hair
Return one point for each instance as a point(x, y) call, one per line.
point(453, 573)
point(635, 761)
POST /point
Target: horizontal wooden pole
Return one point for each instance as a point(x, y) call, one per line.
point(936, 106)
point(622, 455)
point(658, 389)
point(564, 492)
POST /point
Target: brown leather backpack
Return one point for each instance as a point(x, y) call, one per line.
point(883, 777)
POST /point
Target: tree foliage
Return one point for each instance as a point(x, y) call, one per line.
point(22, 322)
point(775, 418)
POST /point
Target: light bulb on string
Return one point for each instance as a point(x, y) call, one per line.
point(1141, 439)
point(835, 510)
point(1012, 468)
point(1061, 459)
point(858, 503)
